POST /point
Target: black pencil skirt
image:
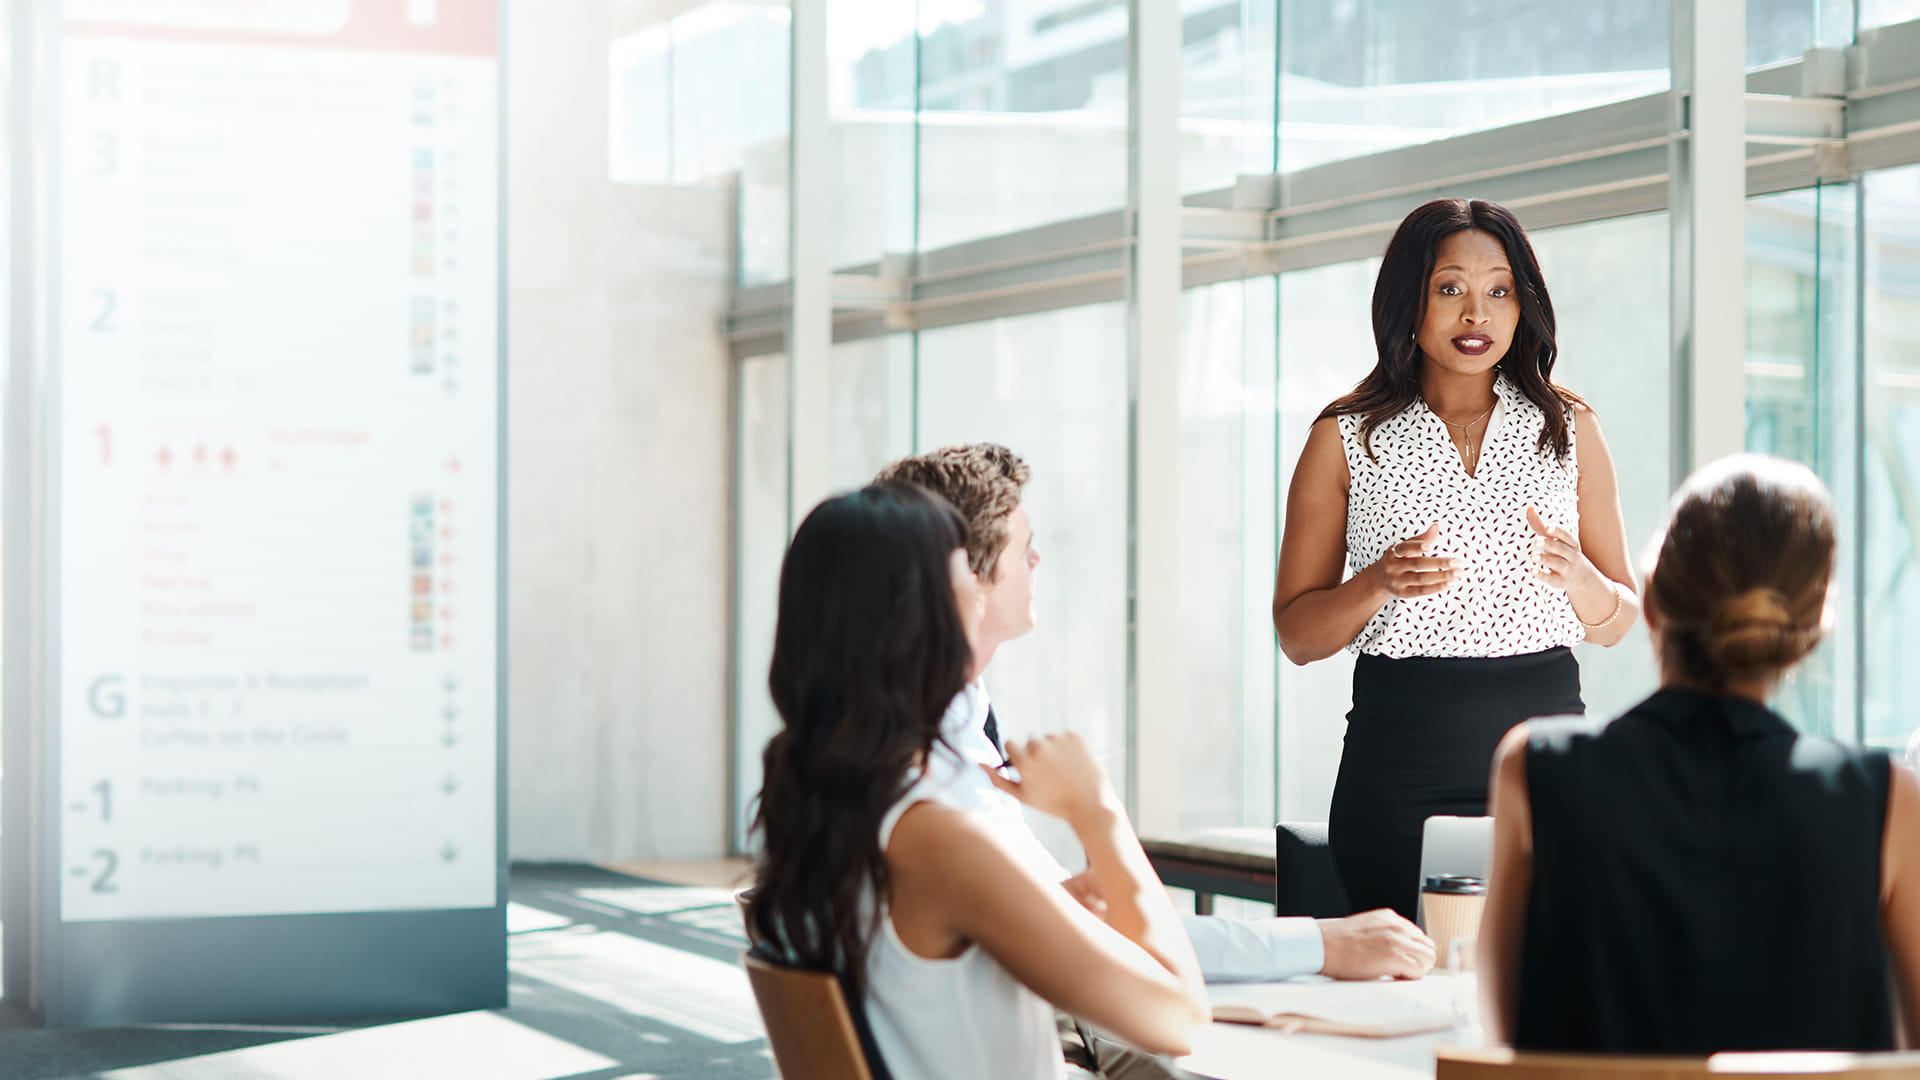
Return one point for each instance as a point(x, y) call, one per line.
point(1420, 742)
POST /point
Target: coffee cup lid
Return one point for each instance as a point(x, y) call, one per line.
point(1455, 884)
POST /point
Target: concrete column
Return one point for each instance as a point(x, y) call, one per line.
point(618, 471)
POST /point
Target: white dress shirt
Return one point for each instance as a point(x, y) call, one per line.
point(1229, 950)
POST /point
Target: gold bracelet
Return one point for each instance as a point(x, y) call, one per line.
point(1619, 602)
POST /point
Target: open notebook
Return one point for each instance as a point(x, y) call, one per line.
point(1381, 1010)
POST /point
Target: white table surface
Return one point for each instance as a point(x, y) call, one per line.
point(1242, 1052)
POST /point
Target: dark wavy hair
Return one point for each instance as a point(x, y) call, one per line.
point(868, 652)
point(1400, 303)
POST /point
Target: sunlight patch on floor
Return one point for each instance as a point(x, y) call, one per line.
point(657, 899)
point(472, 1046)
point(522, 919)
point(696, 994)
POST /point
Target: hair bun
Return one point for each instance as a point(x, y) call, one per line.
point(1755, 632)
point(1753, 608)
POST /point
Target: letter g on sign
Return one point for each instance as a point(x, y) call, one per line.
point(107, 697)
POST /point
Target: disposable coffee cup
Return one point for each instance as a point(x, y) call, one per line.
point(1451, 906)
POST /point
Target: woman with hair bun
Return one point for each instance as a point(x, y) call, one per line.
point(1695, 875)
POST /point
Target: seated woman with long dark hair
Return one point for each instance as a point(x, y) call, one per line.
point(878, 861)
point(1695, 875)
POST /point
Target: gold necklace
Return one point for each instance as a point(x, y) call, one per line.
point(1468, 450)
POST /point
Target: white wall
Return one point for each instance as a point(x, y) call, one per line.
point(618, 471)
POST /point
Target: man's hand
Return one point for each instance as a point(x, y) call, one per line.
point(1372, 944)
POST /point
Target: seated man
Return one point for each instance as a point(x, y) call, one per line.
point(984, 481)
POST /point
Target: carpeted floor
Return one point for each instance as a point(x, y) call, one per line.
point(613, 977)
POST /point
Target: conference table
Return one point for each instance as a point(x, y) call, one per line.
point(1226, 1051)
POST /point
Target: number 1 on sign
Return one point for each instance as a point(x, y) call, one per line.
point(105, 433)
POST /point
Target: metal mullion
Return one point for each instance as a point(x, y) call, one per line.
point(1091, 232)
point(1708, 182)
point(1480, 155)
point(1886, 58)
point(809, 322)
point(1038, 274)
point(1104, 288)
point(1153, 411)
point(1585, 180)
point(913, 243)
point(1065, 264)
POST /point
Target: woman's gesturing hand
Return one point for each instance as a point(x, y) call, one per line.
point(1557, 559)
point(1409, 568)
point(1058, 776)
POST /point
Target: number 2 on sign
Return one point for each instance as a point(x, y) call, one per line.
point(109, 862)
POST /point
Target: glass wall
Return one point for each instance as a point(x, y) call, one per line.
point(1054, 388)
point(1610, 296)
point(1886, 12)
point(703, 95)
point(1357, 78)
point(1227, 514)
point(1889, 594)
point(873, 90)
point(1784, 29)
point(1801, 400)
point(760, 516)
point(1227, 101)
point(965, 120)
point(1023, 113)
point(1326, 346)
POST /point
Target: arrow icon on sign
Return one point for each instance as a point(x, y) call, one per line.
point(450, 785)
point(448, 853)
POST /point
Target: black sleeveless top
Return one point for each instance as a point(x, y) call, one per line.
point(1705, 878)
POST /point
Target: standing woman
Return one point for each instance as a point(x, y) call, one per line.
point(1473, 500)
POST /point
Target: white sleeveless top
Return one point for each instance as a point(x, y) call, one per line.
point(1496, 607)
point(963, 1018)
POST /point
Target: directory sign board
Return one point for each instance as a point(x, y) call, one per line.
point(278, 426)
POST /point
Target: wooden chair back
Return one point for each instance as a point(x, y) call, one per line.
point(1477, 1063)
point(808, 1025)
point(743, 898)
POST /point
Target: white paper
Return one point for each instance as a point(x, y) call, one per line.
point(1392, 1005)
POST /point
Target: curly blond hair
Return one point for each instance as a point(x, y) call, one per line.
point(983, 481)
